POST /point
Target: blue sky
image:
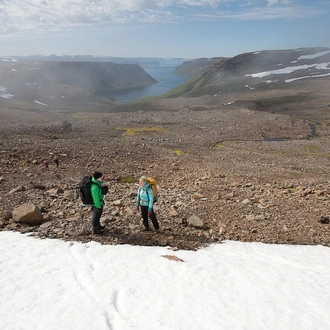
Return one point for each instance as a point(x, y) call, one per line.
point(160, 28)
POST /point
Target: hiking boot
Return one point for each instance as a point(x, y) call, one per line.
point(97, 231)
point(102, 227)
point(146, 229)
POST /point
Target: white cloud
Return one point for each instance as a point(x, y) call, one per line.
point(50, 14)
point(281, 2)
point(45, 15)
point(272, 2)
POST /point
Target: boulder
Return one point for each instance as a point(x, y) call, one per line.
point(195, 221)
point(27, 213)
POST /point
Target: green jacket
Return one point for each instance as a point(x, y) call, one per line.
point(96, 191)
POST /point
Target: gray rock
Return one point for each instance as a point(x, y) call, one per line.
point(17, 189)
point(28, 213)
point(195, 221)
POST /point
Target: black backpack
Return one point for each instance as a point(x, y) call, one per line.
point(85, 190)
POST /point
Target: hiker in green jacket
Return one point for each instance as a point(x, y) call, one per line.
point(97, 206)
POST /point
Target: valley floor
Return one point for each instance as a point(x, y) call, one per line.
point(248, 173)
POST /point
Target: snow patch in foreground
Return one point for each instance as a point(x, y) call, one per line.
point(52, 284)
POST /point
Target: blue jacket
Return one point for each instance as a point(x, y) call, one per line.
point(145, 196)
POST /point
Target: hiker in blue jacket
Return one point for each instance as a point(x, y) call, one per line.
point(145, 201)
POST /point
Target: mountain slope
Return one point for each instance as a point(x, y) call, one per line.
point(197, 66)
point(258, 70)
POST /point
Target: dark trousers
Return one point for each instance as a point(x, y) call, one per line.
point(144, 213)
point(96, 216)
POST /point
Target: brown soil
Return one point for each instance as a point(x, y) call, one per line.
point(251, 166)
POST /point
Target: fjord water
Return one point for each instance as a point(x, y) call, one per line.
point(167, 80)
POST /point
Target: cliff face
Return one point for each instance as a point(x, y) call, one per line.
point(62, 85)
point(98, 77)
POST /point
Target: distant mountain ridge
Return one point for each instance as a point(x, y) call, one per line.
point(257, 70)
point(70, 85)
point(142, 61)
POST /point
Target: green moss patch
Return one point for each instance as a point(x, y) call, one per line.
point(314, 150)
point(130, 131)
point(127, 180)
point(311, 147)
point(178, 152)
point(272, 102)
point(217, 145)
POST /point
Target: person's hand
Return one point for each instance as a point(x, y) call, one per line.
point(149, 212)
point(138, 208)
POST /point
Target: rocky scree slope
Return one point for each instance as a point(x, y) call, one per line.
point(248, 190)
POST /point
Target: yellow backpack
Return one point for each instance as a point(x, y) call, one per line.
point(153, 184)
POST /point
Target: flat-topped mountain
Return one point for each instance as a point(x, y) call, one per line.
point(65, 85)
